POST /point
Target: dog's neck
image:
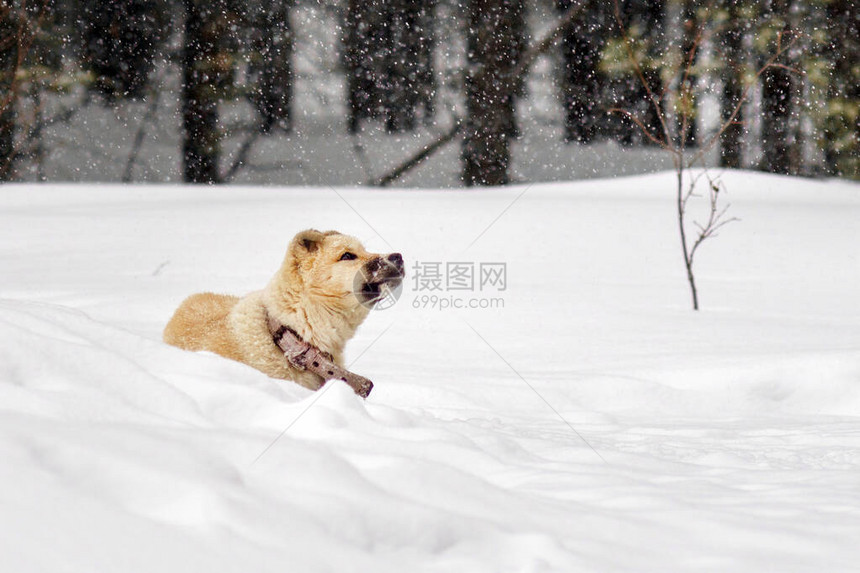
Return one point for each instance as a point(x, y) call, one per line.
point(322, 327)
point(279, 331)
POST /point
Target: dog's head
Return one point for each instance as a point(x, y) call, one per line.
point(338, 271)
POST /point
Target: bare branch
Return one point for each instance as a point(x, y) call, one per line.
point(716, 216)
point(686, 90)
point(358, 148)
point(789, 69)
point(151, 110)
point(641, 126)
point(422, 155)
point(628, 45)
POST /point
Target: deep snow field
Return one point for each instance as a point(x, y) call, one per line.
point(595, 423)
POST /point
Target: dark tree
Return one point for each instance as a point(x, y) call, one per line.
point(388, 57)
point(206, 69)
point(777, 108)
point(686, 110)
point(653, 20)
point(644, 24)
point(120, 40)
point(271, 70)
point(781, 154)
point(25, 50)
point(401, 65)
point(409, 68)
point(9, 50)
point(731, 50)
point(583, 82)
point(494, 47)
point(362, 38)
point(841, 129)
point(425, 79)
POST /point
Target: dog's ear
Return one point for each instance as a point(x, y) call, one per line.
point(307, 242)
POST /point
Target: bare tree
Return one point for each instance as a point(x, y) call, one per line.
point(675, 145)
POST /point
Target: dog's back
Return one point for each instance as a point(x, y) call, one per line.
point(200, 323)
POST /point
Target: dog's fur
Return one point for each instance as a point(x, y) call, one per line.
point(314, 292)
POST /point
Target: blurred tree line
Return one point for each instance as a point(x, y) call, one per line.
point(228, 50)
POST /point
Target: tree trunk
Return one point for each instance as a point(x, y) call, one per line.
point(780, 153)
point(8, 67)
point(731, 140)
point(201, 74)
point(582, 81)
point(354, 58)
point(401, 65)
point(686, 109)
point(776, 111)
point(841, 129)
point(388, 60)
point(426, 80)
point(120, 40)
point(273, 74)
point(643, 21)
point(7, 140)
point(494, 49)
point(654, 21)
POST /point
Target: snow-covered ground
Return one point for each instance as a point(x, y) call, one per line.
point(595, 423)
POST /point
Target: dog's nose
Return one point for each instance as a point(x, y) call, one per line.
point(396, 259)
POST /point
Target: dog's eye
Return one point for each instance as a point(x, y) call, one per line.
point(347, 256)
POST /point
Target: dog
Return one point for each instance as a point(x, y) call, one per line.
point(324, 289)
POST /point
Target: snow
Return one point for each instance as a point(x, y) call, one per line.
point(595, 423)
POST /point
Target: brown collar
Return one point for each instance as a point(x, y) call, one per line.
point(304, 356)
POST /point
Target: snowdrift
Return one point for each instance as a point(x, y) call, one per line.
point(592, 423)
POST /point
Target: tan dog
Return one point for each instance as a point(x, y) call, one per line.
point(324, 289)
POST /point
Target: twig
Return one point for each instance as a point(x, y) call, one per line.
point(716, 216)
point(641, 126)
point(362, 156)
point(686, 90)
point(141, 133)
point(242, 154)
point(628, 46)
point(26, 146)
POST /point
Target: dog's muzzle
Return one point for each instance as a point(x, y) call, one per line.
point(378, 276)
